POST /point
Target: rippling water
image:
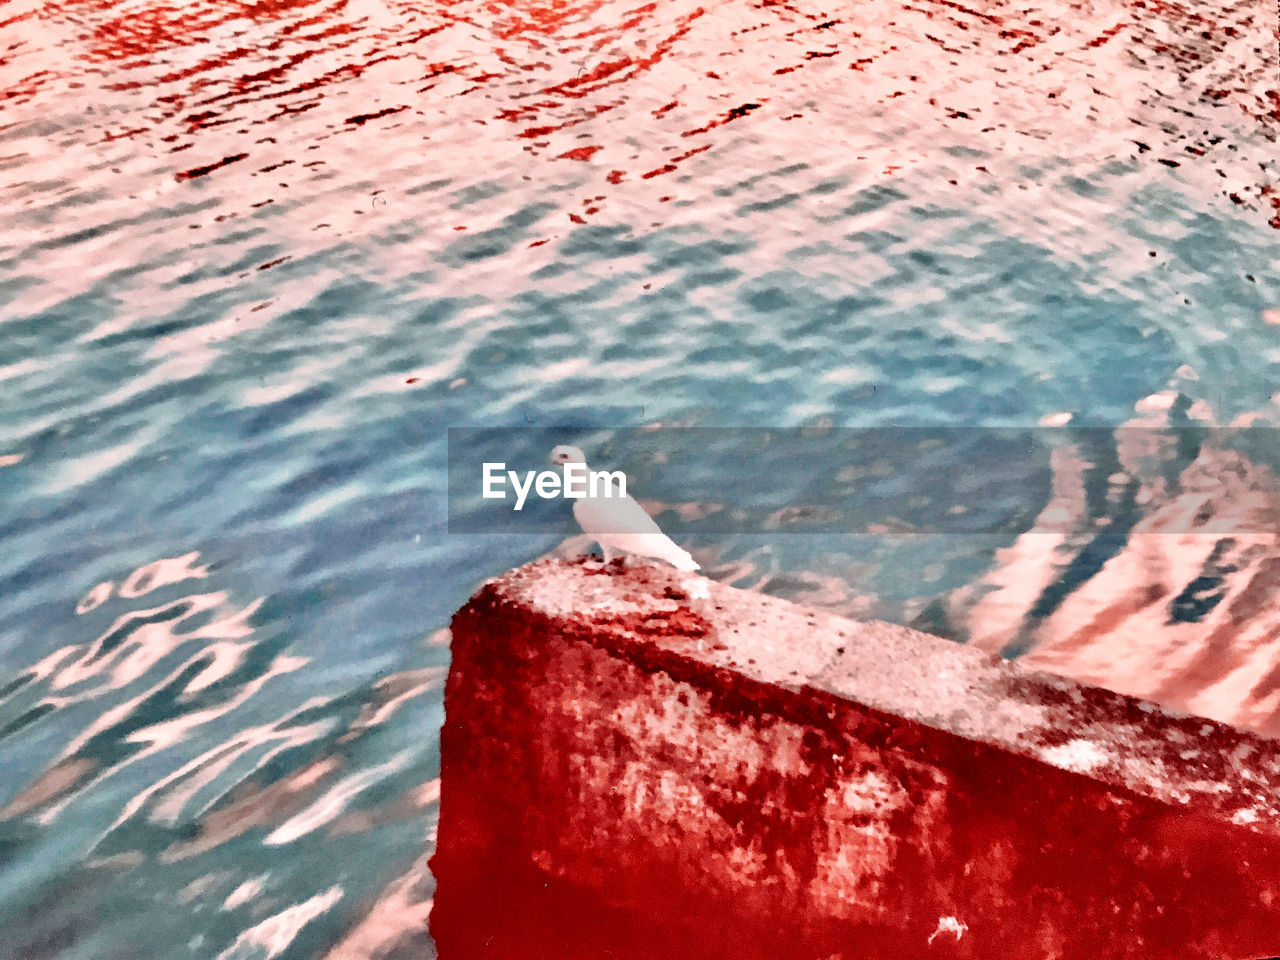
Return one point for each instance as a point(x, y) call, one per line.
point(255, 257)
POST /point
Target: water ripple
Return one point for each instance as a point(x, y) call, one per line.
point(256, 257)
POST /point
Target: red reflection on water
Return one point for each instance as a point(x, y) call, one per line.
point(1179, 610)
point(142, 33)
point(555, 70)
point(524, 21)
point(209, 167)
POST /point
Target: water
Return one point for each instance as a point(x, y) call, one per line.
point(255, 258)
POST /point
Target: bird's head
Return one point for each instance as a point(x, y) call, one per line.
point(566, 454)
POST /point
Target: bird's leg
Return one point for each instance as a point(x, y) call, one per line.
point(608, 553)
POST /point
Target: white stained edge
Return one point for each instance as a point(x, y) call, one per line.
point(949, 925)
point(1078, 756)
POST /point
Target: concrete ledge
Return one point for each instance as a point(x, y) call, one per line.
point(630, 772)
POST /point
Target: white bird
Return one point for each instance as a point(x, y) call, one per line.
point(617, 522)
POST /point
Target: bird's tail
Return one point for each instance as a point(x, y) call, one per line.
point(682, 561)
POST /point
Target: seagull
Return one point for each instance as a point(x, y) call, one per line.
point(619, 523)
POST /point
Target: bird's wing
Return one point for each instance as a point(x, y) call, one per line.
point(606, 515)
point(621, 523)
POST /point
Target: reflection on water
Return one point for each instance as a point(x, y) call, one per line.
point(255, 257)
point(166, 753)
point(1154, 571)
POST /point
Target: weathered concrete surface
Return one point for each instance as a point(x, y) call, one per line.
point(630, 772)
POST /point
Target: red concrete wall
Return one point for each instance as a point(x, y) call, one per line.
point(630, 772)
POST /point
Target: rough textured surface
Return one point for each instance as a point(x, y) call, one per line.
point(631, 772)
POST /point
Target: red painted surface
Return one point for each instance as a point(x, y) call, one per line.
point(628, 772)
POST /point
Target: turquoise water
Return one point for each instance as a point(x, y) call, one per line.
point(256, 259)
